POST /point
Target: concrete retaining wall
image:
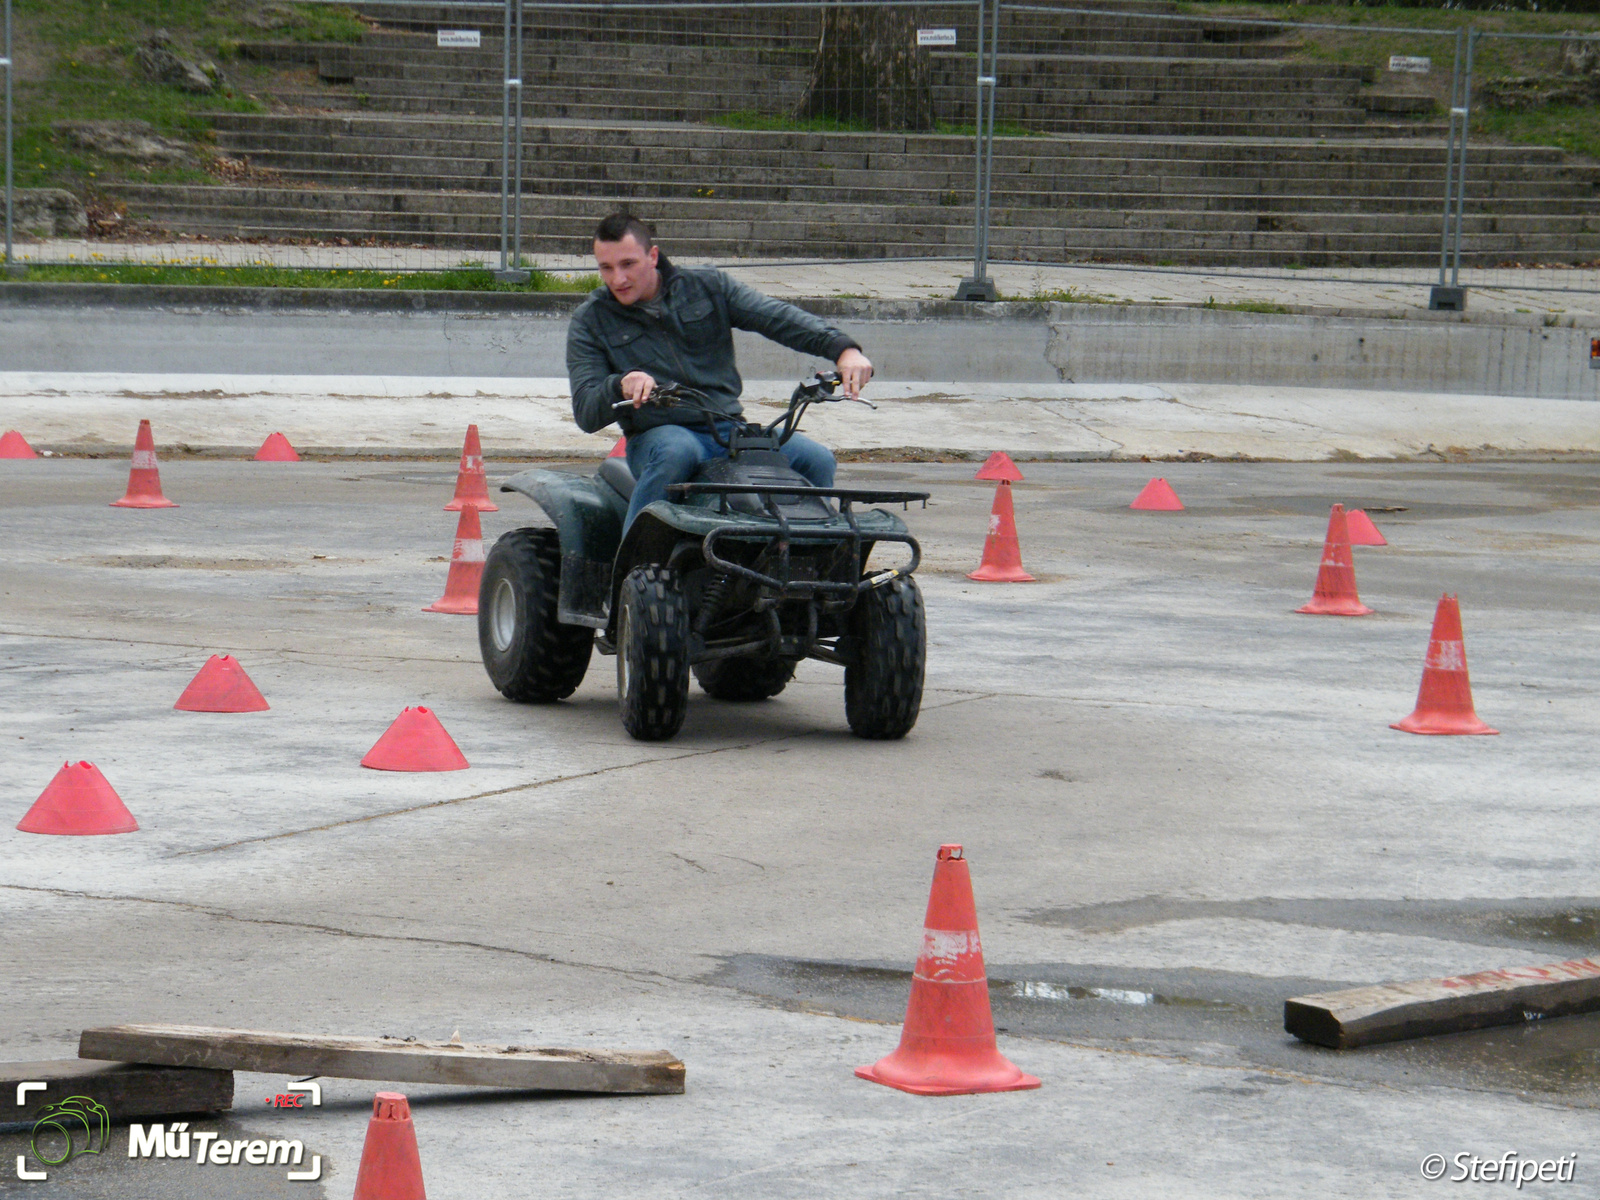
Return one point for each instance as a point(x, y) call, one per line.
point(189, 330)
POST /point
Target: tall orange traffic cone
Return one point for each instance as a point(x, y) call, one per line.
point(391, 1168)
point(14, 445)
point(1002, 554)
point(1362, 531)
point(620, 450)
point(144, 477)
point(415, 741)
point(947, 1045)
point(1157, 496)
point(276, 449)
point(78, 801)
point(472, 485)
point(466, 568)
point(1335, 594)
point(222, 686)
point(1444, 701)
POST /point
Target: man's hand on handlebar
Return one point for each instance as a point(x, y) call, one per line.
point(854, 371)
point(637, 387)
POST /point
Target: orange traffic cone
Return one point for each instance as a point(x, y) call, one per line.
point(1444, 701)
point(472, 485)
point(1362, 531)
point(276, 449)
point(1335, 594)
point(1002, 554)
point(14, 445)
point(79, 801)
point(620, 450)
point(144, 477)
point(391, 1168)
point(222, 686)
point(1157, 496)
point(415, 741)
point(466, 568)
point(947, 1045)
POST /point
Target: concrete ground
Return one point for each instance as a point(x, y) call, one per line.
point(1548, 291)
point(1181, 801)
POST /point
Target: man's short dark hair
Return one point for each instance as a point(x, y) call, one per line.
point(620, 224)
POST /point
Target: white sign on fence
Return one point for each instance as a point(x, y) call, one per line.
point(1407, 62)
point(936, 37)
point(460, 39)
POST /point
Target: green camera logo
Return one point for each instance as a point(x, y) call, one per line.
point(59, 1125)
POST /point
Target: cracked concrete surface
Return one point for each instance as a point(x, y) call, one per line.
point(1167, 783)
point(78, 413)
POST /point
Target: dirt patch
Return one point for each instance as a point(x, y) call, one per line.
point(184, 563)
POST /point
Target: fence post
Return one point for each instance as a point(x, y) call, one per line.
point(5, 60)
point(978, 286)
point(1461, 163)
point(1449, 297)
point(510, 259)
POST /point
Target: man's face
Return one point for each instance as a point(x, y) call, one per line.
point(628, 269)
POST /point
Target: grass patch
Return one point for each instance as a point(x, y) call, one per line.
point(1066, 295)
point(75, 61)
point(460, 280)
point(1368, 44)
point(1246, 306)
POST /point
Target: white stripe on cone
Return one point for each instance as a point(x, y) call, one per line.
point(467, 550)
point(144, 460)
point(1447, 656)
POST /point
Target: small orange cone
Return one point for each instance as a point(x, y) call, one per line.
point(144, 477)
point(947, 1045)
point(1362, 531)
point(416, 741)
point(466, 568)
point(1444, 701)
point(14, 445)
point(1002, 553)
point(391, 1168)
point(78, 801)
point(1157, 496)
point(1000, 469)
point(1335, 594)
point(620, 450)
point(222, 686)
point(276, 449)
point(472, 485)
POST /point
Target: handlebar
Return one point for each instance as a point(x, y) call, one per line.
point(822, 388)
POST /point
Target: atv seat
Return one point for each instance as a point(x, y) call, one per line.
point(615, 472)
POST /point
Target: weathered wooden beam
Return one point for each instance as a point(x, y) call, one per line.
point(1391, 1012)
point(637, 1072)
point(126, 1089)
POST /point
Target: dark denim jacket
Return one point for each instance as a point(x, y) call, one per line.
point(692, 344)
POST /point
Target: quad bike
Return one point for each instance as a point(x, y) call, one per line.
point(736, 576)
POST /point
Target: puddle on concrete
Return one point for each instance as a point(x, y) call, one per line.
point(1220, 1016)
point(1567, 926)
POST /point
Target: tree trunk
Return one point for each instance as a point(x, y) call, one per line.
point(868, 70)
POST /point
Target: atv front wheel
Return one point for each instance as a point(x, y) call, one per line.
point(883, 686)
point(652, 653)
point(744, 678)
point(529, 654)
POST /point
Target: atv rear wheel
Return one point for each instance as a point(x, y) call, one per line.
point(529, 654)
point(652, 653)
point(883, 686)
point(744, 678)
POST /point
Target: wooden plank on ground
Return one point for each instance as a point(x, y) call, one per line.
point(635, 1072)
point(126, 1089)
point(1391, 1012)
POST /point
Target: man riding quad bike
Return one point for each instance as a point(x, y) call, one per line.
point(716, 545)
point(736, 575)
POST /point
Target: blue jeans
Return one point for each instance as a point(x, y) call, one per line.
point(670, 454)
